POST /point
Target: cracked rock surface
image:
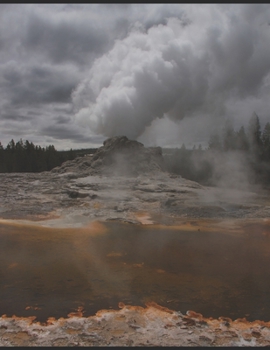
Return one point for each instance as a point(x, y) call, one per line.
point(97, 197)
point(134, 326)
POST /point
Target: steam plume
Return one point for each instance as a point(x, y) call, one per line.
point(178, 69)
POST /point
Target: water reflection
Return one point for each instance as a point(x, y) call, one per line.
point(51, 272)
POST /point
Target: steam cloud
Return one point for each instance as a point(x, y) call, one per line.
point(199, 64)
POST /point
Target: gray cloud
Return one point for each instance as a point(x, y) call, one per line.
point(62, 42)
point(131, 69)
point(15, 117)
point(62, 119)
point(66, 132)
point(37, 84)
point(60, 132)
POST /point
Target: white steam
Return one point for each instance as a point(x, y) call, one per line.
point(177, 70)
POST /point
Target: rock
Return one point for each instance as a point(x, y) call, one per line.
point(131, 326)
point(118, 156)
point(77, 194)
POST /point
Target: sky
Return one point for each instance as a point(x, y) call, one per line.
point(73, 75)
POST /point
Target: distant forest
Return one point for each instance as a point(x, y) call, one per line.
point(232, 158)
point(24, 156)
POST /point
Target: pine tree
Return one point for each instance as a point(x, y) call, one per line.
point(242, 143)
point(2, 159)
point(229, 137)
point(215, 143)
point(266, 142)
point(254, 135)
point(183, 147)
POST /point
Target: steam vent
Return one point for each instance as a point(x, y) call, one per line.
point(118, 156)
point(111, 249)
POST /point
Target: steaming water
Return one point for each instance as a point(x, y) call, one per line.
point(51, 272)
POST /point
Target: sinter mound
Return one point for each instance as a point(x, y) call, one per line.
point(118, 156)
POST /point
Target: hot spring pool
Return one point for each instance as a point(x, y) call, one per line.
point(49, 272)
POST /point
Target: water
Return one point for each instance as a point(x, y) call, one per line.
point(49, 272)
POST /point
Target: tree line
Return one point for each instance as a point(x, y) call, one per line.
point(254, 141)
point(249, 148)
point(24, 156)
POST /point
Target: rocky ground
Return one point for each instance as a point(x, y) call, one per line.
point(134, 326)
point(125, 181)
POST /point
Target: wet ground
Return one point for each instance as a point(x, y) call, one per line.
point(216, 268)
point(152, 238)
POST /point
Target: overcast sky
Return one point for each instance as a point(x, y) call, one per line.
point(72, 75)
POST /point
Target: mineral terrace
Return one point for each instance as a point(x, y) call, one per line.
point(125, 181)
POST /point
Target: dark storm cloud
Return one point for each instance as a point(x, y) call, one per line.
point(44, 51)
point(60, 132)
point(69, 132)
point(63, 42)
point(130, 68)
point(37, 84)
point(15, 117)
point(90, 141)
point(62, 119)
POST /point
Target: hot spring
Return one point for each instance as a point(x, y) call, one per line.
point(50, 272)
